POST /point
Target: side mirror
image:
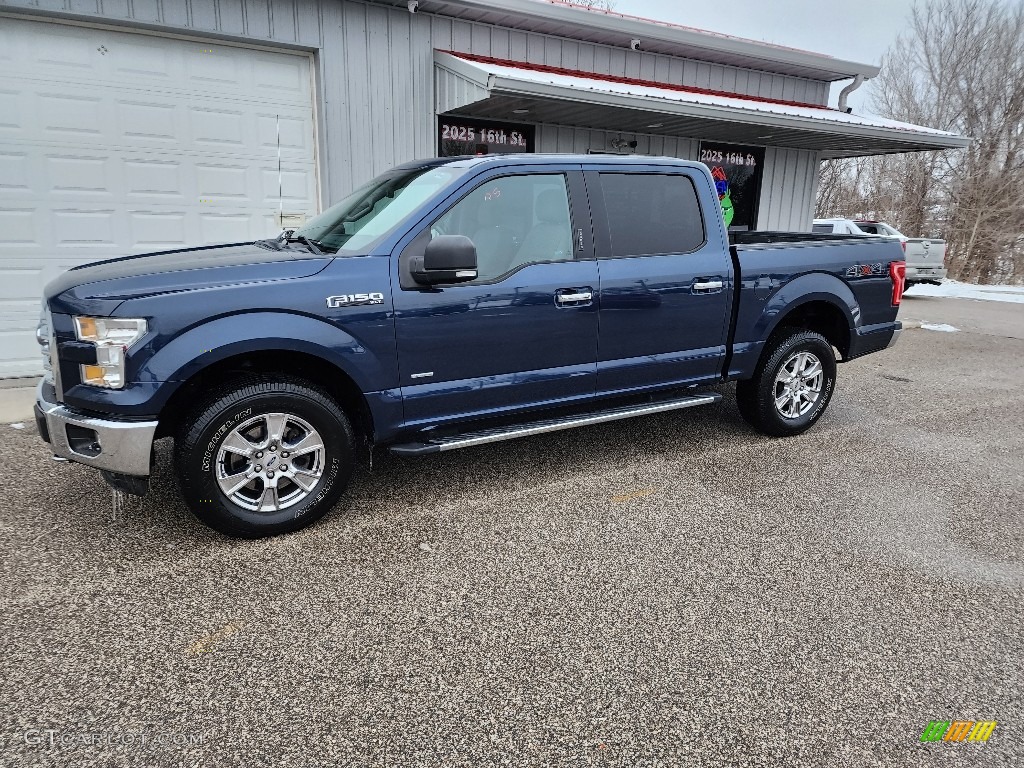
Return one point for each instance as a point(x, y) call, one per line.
point(447, 259)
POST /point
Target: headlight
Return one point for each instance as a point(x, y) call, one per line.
point(112, 337)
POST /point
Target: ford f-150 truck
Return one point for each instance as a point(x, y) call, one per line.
point(925, 257)
point(447, 303)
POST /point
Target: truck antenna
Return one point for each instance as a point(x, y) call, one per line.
point(280, 181)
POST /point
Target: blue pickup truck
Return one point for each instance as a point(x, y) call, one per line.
point(447, 303)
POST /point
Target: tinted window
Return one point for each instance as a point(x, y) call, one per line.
point(513, 221)
point(823, 229)
point(870, 229)
point(652, 213)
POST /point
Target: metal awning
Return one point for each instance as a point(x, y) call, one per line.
point(484, 87)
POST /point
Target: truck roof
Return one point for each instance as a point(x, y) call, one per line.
point(476, 161)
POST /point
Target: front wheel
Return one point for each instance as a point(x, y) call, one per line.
point(266, 456)
point(792, 385)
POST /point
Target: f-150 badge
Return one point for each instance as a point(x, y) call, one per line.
point(354, 300)
point(865, 270)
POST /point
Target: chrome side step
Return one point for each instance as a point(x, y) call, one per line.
point(496, 435)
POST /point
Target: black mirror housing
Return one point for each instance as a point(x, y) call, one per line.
point(447, 259)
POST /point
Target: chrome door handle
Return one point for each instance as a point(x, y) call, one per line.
point(572, 298)
point(708, 285)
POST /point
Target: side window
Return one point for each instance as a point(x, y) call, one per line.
point(513, 220)
point(651, 214)
point(870, 229)
point(823, 229)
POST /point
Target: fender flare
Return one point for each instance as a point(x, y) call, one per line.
point(228, 336)
point(815, 286)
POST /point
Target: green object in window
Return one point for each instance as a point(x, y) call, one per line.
point(727, 210)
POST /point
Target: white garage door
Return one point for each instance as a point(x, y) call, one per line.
point(114, 143)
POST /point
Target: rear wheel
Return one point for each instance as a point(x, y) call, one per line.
point(792, 384)
point(266, 456)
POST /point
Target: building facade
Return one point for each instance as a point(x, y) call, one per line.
point(129, 126)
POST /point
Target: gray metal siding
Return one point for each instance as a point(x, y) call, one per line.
point(376, 80)
point(558, 138)
point(453, 91)
point(473, 37)
point(284, 21)
point(788, 189)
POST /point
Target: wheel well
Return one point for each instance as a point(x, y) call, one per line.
point(313, 369)
point(820, 317)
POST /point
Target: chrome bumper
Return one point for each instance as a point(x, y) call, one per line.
point(894, 339)
point(123, 447)
point(926, 273)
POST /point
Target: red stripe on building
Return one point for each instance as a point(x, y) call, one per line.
point(630, 81)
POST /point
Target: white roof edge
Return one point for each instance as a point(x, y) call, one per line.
point(470, 70)
point(663, 99)
point(864, 127)
point(762, 55)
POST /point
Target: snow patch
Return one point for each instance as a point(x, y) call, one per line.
point(939, 327)
point(18, 425)
point(957, 290)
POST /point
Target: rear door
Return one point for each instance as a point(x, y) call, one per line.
point(524, 334)
point(665, 278)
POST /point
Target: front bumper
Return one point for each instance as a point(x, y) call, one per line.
point(116, 445)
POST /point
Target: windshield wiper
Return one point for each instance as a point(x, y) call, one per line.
point(310, 244)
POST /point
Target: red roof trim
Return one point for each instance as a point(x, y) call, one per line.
point(630, 80)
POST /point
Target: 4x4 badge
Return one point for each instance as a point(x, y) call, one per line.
point(865, 270)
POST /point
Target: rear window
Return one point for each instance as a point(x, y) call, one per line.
point(823, 229)
point(651, 214)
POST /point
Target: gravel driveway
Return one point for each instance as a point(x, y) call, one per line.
point(669, 591)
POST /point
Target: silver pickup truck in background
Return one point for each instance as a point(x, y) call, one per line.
point(926, 257)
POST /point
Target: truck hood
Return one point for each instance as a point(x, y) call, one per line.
point(98, 288)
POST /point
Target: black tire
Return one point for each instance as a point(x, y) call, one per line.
point(756, 397)
point(199, 457)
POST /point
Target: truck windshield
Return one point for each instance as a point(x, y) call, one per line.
point(373, 210)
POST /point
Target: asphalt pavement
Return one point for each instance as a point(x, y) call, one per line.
point(669, 591)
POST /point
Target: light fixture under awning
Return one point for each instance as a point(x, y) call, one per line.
point(483, 87)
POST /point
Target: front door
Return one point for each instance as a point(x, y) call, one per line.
point(524, 334)
point(665, 287)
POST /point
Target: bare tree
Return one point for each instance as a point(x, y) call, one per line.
point(959, 67)
point(602, 5)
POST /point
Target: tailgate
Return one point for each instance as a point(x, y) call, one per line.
point(924, 252)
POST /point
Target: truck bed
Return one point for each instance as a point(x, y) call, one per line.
point(773, 268)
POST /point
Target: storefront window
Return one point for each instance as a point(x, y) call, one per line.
point(737, 174)
point(461, 136)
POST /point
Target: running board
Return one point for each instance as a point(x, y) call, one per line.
point(470, 439)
